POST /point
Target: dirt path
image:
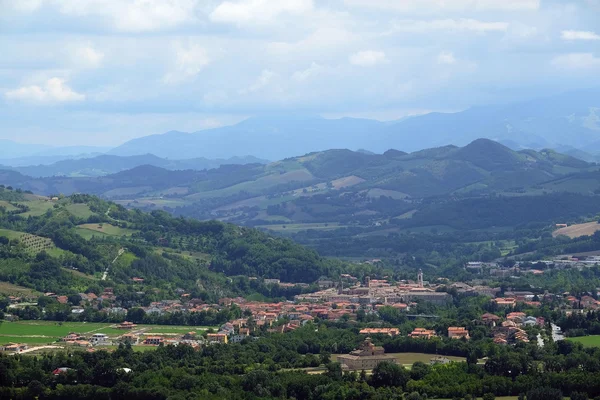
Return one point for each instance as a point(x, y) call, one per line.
point(105, 274)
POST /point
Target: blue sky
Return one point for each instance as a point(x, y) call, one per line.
point(100, 72)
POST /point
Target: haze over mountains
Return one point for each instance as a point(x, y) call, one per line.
point(569, 123)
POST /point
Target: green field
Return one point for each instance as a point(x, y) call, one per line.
point(80, 210)
point(411, 358)
point(295, 228)
point(37, 207)
point(7, 233)
point(587, 341)
point(38, 332)
point(7, 205)
point(87, 231)
point(9, 289)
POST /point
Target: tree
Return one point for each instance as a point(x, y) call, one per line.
point(544, 393)
point(489, 396)
point(389, 374)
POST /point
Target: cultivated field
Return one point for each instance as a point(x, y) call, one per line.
point(587, 341)
point(294, 228)
point(578, 230)
point(408, 359)
point(9, 289)
point(89, 230)
point(37, 207)
point(80, 210)
point(48, 332)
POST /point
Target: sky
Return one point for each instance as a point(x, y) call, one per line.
point(101, 72)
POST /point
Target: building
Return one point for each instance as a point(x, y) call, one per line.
point(14, 347)
point(217, 337)
point(422, 333)
point(99, 339)
point(366, 357)
point(380, 331)
point(154, 340)
point(126, 325)
point(455, 332)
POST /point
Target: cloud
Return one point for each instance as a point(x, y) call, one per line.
point(123, 15)
point(579, 35)
point(263, 80)
point(446, 57)
point(576, 61)
point(189, 61)
point(432, 6)
point(305, 74)
point(457, 25)
point(54, 90)
point(86, 56)
point(368, 58)
point(258, 11)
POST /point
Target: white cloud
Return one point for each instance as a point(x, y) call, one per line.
point(576, 61)
point(189, 61)
point(432, 6)
point(305, 74)
point(263, 80)
point(258, 11)
point(458, 25)
point(579, 35)
point(86, 56)
point(53, 90)
point(367, 58)
point(123, 15)
point(446, 57)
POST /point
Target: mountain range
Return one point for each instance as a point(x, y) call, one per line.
point(108, 164)
point(336, 187)
point(568, 123)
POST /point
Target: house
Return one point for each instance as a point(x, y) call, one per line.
point(490, 320)
point(505, 302)
point(422, 333)
point(217, 338)
point(14, 347)
point(100, 339)
point(61, 370)
point(71, 337)
point(154, 340)
point(129, 338)
point(366, 357)
point(455, 332)
point(126, 325)
point(380, 331)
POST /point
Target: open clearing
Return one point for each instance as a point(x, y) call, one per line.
point(9, 289)
point(411, 358)
point(37, 207)
point(587, 341)
point(102, 229)
point(80, 210)
point(575, 231)
point(7, 205)
point(46, 332)
point(294, 228)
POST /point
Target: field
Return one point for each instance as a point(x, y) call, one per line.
point(587, 341)
point(7, 205)
point(7, 233)
point(89, 230)
point(80, 210)
point(578, 230)
point(295, 228)
point(37, 207)
point(46, 332)
point(9, 289)
point(408, 359)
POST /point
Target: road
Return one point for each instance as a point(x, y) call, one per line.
point(105, 274)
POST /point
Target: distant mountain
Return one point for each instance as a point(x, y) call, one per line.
point(270, 138)
point(10, 149)
point(570, 119)
point(109, 164)
point(341, 181)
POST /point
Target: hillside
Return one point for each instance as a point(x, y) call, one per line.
point(107, 164)
point(334, 187)
point(568, 120)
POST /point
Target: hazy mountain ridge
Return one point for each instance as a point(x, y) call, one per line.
point(108, 164)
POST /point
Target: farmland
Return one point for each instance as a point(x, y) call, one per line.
point(408, 359)
point(575, 231)
point(89, 230)
point(37, 207)
point(587, 341)
point(46, 332)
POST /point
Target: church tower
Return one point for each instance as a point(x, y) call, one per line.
point(420, 278)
